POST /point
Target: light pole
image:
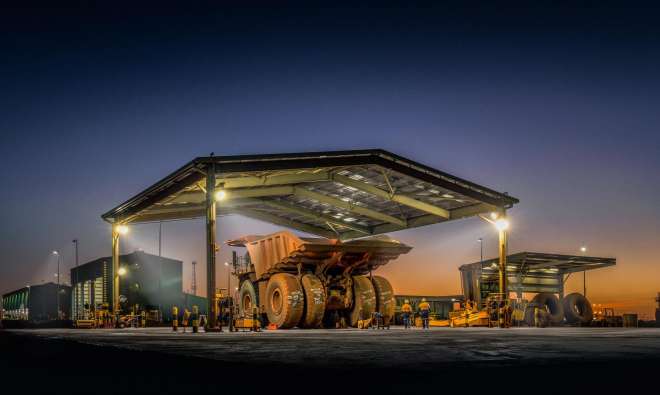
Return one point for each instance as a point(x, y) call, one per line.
point(59, 257)
point(501, 223)
point(583, 250)
point(230, 299)
point(117, 230)
point(228, 278)
point(481, 245)
point(74, 286)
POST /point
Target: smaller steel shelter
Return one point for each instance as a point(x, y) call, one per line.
point(527, 272)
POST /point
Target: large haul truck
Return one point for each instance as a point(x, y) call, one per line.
point(315, 282)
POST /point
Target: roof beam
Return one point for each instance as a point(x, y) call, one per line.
point(259, 192)
point(285, 179)
point(401, 199)
point(306, 193)
point(242, 193)
point(386, 228)
point(588, 267)
point(544, 265)
point(472, 210)
point(274, 219)
point(312, 214)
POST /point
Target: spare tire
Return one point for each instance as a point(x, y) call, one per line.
point(364, 300)
point(551, 302)
point(384, 298)
point(247, 298)
point(314, 310)
point(577, 309)
point(284, 300)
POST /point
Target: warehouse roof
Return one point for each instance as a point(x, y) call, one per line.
point(338, 194)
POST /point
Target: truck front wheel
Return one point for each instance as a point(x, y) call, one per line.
point(284, 301)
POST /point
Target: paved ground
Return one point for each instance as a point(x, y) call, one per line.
point(396, 347)
point(441, 356)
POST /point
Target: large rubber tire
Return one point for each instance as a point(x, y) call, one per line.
point(384, 298)
point(247, 298)
point(312, 316)
point(284, 301)
point(551, 302)
point(577, 309)
point(364, 300)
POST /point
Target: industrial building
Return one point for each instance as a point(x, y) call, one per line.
point(148, 282)
point(37, 303)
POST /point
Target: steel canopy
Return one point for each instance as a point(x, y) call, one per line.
point(338, 194)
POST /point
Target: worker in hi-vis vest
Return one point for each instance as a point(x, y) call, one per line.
point(406, 310)
point(424, 310)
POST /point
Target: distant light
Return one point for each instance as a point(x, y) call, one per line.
point(121, 271)
point(235, 288)
point(583, 249)
point(494, 215)
point(56, 253)
point(122, 229)
point(480, 240)
point(226, 263)
point(502, 224)
point(220, 195)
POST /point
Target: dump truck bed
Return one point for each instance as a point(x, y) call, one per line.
point(284, 251)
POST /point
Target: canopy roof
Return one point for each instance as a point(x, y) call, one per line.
point(338, 194)
point(540, 264)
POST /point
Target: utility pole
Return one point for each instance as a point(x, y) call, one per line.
point(56, 253)
point(75, 285)
point(193, 286)
point(583, 250)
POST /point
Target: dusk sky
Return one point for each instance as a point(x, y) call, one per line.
point(558, 107)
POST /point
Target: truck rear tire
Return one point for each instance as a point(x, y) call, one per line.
point(314, 310)
point(364, 300)
point(384, 298)
point(247, 298)
point(551, 302)
point(577, 309)
point(284, 300)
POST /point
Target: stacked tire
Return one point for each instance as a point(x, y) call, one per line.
point(574, 308)
point(549, 303)
point(577, 309)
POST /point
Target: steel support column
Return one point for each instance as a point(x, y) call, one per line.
point(502, 272)
point(115, 270)
point(211, 246)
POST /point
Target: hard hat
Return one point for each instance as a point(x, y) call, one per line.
point(406, 301)
point(423, 299)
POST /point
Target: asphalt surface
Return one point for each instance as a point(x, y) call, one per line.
point(380, 348)
point(155, 360)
